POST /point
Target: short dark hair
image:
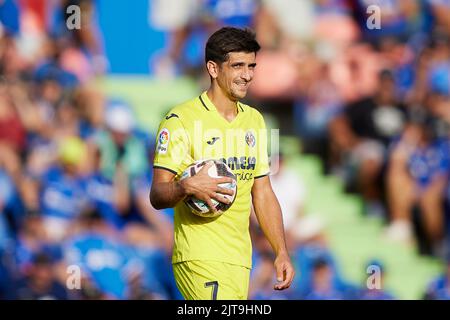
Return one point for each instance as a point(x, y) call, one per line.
point(230, 39)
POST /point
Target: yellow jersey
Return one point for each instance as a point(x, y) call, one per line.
point(196, 131)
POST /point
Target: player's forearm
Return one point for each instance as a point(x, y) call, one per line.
point(167, 194)
point(268, 212)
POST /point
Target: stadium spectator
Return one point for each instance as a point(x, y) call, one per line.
point(40, 282)
point(119, 147)
point(292, 205)
point(83, 52)
point(416, 177)
point(90, 103)
point(359, 138)
point(30, 240)
point(9, 17)
point(190, 22)
point(7, 198)
point(59, 189)
point(319, 102)
point(12, 130)
point(399, 19)
point(440, 10)
point(322, 285)
point(102, 256)
point(439, 288)
point(312, 248)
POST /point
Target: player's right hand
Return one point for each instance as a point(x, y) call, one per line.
point(284, 270)
point(204, 187)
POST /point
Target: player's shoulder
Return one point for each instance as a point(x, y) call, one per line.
point(183, 110)
point(184, 107)
point(251, 111)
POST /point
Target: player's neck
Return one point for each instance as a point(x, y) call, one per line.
point(226, 107)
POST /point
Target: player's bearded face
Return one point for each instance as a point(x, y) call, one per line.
point(236, 73)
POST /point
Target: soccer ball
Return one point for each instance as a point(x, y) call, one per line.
point(218, 169)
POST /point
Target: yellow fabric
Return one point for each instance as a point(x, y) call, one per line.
point(211, 280)
point(182, 139)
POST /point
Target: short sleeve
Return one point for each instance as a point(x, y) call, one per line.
point(262, 163)
point(172, 145)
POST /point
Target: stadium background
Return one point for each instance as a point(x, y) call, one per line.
point(69, 195)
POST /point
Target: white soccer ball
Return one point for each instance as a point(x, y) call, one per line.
point(218, 169)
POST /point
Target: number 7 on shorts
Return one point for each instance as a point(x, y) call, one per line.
point(215, 286)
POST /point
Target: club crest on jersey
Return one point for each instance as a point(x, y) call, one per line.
point(163, 140)
point(250, 139)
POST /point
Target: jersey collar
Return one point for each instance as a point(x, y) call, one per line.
point(206, 103)
point(209, 106)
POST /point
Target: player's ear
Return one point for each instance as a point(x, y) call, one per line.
point(213, 69)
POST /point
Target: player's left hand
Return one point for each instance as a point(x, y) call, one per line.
point(284, 270)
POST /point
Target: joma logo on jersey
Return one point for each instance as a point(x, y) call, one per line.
point(212, 141)
point(243, 163)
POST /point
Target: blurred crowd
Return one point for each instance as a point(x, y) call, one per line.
point(75, 167)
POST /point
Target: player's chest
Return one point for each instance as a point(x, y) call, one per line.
point(211, 141)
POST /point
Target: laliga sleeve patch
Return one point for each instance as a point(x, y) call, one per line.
point(163, 141)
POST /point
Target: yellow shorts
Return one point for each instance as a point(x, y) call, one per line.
point(211, 280)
